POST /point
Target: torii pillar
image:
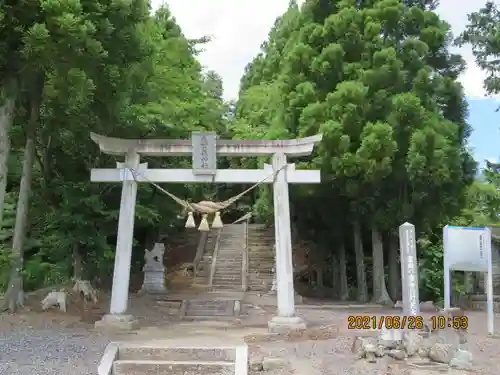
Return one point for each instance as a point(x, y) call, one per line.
point(205, 171)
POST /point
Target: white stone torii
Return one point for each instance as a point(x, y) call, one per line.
point(206, 172)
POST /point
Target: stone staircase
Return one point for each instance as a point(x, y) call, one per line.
point(260, 258)
point(202, 275)
point(151, 359)
point(229, 258)
point(210, 309)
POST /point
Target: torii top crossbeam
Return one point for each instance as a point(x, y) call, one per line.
point(170, 147)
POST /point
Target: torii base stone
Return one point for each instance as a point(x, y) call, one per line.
point(118, 322)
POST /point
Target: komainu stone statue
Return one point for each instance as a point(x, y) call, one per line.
point(154, 271)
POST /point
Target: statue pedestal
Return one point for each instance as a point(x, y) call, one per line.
point(154, 272)
point(154, 279)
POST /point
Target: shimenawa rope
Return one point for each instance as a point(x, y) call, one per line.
point(204, 207)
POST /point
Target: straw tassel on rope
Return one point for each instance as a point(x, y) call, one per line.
point(204, 227)
point(217, 223)
point(190, 221)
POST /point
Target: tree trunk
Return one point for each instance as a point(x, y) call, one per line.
point(335, 278)
point(319, 278)
point(394, 270)
point(380, 294)
point(77, 263)
point(344, 287)
point(6, 118)
point(362, 292)
point(469, 282)
point(15, 294)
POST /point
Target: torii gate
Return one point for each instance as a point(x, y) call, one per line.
point(204, 148)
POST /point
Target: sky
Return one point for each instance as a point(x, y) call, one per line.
point(238, 28)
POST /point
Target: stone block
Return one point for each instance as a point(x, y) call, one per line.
point(256, 364)
point(281, 324)
point(123, 322)
point(273, 363)
point(462, 360)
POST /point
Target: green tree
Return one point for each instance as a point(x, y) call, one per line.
point(483, 34)
point(377, 79)
point(110, 68)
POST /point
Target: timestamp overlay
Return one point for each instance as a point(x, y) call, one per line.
point(371, 322)
point(455, 322)
point(385, 321)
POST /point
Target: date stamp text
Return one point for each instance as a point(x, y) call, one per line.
point(385, 321)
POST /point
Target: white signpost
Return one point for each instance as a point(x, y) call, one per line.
point(204, 149)
point(409, 269)
point(468, 249)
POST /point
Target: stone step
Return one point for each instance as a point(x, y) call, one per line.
point(200, 280)
point(227, 276)
point(260, 271)
point(149, 367)
point(202, 274)
point(224, 288)
point(234, 270)
point(169, 311)
point(228, 263)
point(176, 353)
point(258, 268)
point(209, 312)
point(235, 285)
point(227, 281)
point(170, 307)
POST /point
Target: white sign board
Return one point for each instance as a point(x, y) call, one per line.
point(468, 249)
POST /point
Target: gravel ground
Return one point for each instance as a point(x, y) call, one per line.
point(44, 351)
point(45, 343)
point(327, 350)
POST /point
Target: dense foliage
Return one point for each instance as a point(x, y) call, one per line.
point(378, 80)
point(376, 77)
